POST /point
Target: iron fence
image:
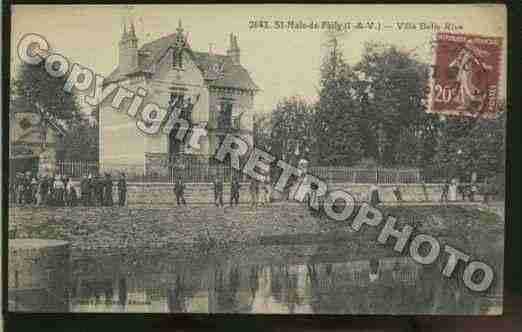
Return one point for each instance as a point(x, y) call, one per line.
point(377, 175)
point(76, 168)
point(199, 172)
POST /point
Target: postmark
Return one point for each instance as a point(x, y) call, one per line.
point(466, 73)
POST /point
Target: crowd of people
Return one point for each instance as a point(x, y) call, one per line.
point(58, 190)
point(96, 190)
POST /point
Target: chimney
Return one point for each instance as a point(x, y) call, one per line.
point(128, 48)
point(233, 50)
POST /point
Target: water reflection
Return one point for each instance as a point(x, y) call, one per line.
point(269, 280)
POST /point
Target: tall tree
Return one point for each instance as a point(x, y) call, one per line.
point(44, 94)
point(81, 141)
point(469, 145)
point(392, 88)
point(338, 141)
point(291, 125)
point(39, 92)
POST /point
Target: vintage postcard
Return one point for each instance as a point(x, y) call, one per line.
point(282, 159)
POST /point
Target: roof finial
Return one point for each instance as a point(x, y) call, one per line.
point(132, 31)
point(124, 24)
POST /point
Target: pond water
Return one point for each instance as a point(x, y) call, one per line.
point(324, 279)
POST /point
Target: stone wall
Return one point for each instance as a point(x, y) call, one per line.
point(163, 193)
point(410, 192)
point(39, 275)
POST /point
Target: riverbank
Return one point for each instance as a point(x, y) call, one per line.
point(113, 228)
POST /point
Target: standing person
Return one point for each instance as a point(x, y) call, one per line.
point(28, 194)
point(35, 195)
point(66, 191)
point(445, 190)
point(72, 196)
point(425, 191)
point(84, 189)
point(179, 190)
point(107, 186)
point(218, 191)
point(374, 195)
point(452, 194)
point(98, 190)
point(461, 188)
point(44, 190)
point(254, 192)
point(50, 182)
point(488, 191)
point(122, 190)
point(20, 188)
point(265, 191)
point(13, 182)
point(59, 190)
point(312, 199)
point(90, 191)
point(235, 186)
point(472, 191)
point(398, 194)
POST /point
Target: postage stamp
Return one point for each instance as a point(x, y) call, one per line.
point(466, 73)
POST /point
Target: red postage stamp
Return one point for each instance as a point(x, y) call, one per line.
point(466, 73)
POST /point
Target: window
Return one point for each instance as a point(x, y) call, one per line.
point(225, 115)
point(177, 58)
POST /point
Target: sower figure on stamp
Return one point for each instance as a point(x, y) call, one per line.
point(122, 190)
point(218, 190)
point(179, 190)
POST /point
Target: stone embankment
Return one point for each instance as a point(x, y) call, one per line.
point(149, 227)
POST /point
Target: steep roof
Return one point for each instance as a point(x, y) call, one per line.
point(230, 76)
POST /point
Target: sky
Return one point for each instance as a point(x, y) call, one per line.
point(283, 63)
